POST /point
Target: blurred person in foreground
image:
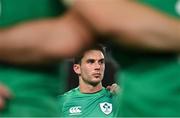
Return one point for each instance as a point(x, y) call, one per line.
point(29, 80)
point(145, 39)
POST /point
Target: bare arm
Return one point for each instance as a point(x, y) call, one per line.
point(43, 41)
point(48, 40)
point(132, 24)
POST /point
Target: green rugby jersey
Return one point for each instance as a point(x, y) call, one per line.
point(150, 82)
point(34, 89)
point(77, 104)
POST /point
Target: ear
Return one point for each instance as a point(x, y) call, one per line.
point(77, 69)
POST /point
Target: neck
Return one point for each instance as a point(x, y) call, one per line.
point(88, 88)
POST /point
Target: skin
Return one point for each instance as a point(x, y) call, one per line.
point(138, 26)
point(4, 94)
point(114, 88)
point(44, 41)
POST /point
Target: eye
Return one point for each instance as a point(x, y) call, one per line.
point(90, 61)
point(102, 61)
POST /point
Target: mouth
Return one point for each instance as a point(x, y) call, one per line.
point(96, 75)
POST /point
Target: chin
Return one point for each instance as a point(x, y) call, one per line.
point(96, 82)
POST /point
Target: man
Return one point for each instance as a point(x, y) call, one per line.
point(27, 89)
point(90, 98)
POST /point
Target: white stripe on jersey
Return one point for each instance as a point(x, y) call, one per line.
point(177, 7)
point(0, 8)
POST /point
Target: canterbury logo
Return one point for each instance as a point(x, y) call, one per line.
point(74, 110)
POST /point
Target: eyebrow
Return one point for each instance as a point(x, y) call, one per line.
point(94, 59)
point(102, 59)
point(90, 60)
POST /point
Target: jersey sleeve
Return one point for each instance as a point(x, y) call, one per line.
point(61, 99)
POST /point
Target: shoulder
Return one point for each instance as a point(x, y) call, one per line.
point(68, 93)
point(106, 92)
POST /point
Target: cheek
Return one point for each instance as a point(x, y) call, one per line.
point(86, 71)
point(103, 68)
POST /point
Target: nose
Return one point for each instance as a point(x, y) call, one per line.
point(97, 66)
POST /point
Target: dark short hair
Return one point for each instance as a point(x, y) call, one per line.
point(99, 47)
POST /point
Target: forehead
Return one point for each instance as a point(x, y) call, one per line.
point(93, 54)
